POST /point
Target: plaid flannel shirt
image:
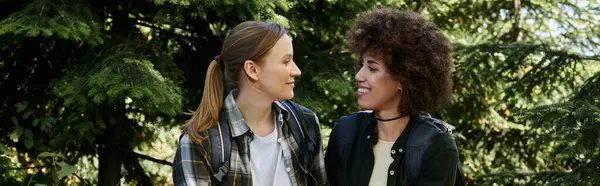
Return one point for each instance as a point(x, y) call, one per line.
point(191, 165)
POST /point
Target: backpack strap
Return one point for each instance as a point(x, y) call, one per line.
point(460, 175)
point(300, 123)
point(220, 140)
point(345, 135)
point(419, 140)
point(445, 127)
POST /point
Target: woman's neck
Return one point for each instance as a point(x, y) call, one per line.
point(257, 112)
point(390, 130)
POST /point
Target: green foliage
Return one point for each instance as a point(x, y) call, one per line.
point(77, 76)
point(576, 123)
point(71, 20)
point(97, 89)
point(65, 169)
point(125, 71)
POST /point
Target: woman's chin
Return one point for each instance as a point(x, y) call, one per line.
point(365, 105)
point(287, 96)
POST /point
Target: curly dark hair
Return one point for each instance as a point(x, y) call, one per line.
point(415, 52)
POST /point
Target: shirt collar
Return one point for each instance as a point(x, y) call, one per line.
point(283, 110)
point(235, 118)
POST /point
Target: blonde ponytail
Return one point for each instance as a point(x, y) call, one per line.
point(207, 114)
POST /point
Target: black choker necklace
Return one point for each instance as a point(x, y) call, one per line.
point(401, 116)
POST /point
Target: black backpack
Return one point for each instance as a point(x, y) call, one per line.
point(426, 130)
point(300, 125)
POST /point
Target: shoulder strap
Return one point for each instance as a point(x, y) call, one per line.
point(345, 135)
point(445, 127)
point(301, 127)
point(460, 175)
point(220, 140)
point(419, 140)
point(300, 123)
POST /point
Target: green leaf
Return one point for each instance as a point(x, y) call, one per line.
point(33, 32)
point(45, 154)
point(3, 149)
point(39, 184)
point(27, 114)
point(65, 169)
point(52, 120)
point(28, 137)
point(20, 107)
point(16, 133)
point(35, 122)
point(47, 32)
point(15, 121)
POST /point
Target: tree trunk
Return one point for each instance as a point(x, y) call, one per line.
point(109, 153)
point(135, 170)
point(517, 31)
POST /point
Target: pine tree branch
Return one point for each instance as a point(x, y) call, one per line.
point(420, 6)
point(523, 174)
point(148, 23)
point(173, 26)
point(23, 168)
point(135, 171)
point(538, 48)
point(141, 156)
point(164, 31)
point(80, 178)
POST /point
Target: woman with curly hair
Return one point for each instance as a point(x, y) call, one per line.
point(404, 70)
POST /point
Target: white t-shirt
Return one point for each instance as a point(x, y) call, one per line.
point(383, 159)
point(266, 157)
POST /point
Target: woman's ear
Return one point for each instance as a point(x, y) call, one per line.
point(251, 69)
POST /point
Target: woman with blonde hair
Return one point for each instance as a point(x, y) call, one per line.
point(255, 135)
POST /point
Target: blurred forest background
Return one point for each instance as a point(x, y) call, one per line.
point(94, 92)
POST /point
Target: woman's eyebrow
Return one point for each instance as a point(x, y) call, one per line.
point(372, 62)
point(287, 55)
